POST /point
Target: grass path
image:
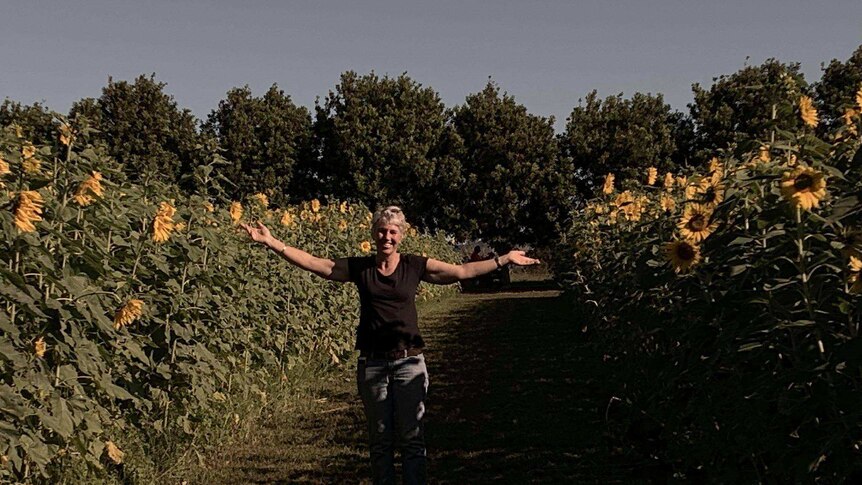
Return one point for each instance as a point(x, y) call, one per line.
point(514, 398)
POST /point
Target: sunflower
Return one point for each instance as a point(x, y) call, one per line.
point(412, 232)
point(304, 215)
point(163, 224)
point(287, 219)
point(31, 165)
point(315, 205)
point(682, 255)
point(342, 225)
point(40, 347)
point(855, 275)
point(235, 211)
point(808, 112)
point(803, 187)
point(261, 199)
point(89, 188)
point(849, 122)
point(667, 203)
point(859, 96)
point(609, 184)
point(209, 207)
point(113, 452)
point(710, 192)
point(668, 182)
point(344, 208)
point(4, 170)
point(28, 210)
point(695, 224)
point(128, 313)
point(365, 247)
point(682, 180)
point(28, 151)
point(763, 154)
point(66, 134)
point(652, 175)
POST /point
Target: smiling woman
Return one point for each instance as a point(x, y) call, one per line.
point(391, 376)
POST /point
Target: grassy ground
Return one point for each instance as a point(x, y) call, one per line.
point(513, 398)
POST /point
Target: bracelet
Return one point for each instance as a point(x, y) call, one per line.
point(497, 260)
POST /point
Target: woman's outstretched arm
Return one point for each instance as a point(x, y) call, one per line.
point(325, 268)
point(442, 273)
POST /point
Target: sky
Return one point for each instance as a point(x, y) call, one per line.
point(547, 54)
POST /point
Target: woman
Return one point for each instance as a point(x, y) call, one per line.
point(391, 373)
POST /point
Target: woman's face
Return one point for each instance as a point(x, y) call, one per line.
point(387, 237)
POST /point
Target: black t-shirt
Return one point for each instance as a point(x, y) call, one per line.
point(387, 319)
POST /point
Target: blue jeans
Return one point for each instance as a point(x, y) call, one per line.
point(393, 393)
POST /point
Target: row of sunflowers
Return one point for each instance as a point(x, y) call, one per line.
point(725, 302)
point(130, 306)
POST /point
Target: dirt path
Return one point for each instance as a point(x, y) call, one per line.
point(513, 399)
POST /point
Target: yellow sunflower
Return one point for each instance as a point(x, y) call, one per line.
point(803, 187)
point(31, 165)
point(209, 207)
point(4, 170)
point(849, 122)
point(365, 247)
point(855, 275)
point(28, 210)
point(287, 219)
point(682, 180)
point(652, 175)
point(39, 348)
point(344, 208)
point(28, 151)
point(682, 255)
point(859, 97)
point(235, 211)
point(667, 203)
point(114, 453)
point(342, 225)
point(315, 205)
point(710, 192)
point(304, 215)
point(696, 223)
point(808, 112)
point(128, 313)
point(668, 182)
point(764, 155)
point(261, 199)
point(609, 184)
point(66, 134)
point(163, 224)
point(89, 188)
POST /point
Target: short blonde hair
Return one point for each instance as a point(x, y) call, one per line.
point(388, 215)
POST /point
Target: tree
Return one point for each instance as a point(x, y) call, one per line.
point(264, 140)
point(740, 106)
point(516, 189)
point(385, 141)
point(836, 91)
point(35, 121)
point(143, 129)
point(623, 136)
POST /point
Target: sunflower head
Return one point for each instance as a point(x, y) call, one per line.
point(855, 275)
point(808, 112)
point(804, 187)
point(850, 122)
point(28, 209)
point(39, 348)
point(343, 207)
point(668, 182)
point(261, 199)
point(128, 313)
point(287, 219)
point(710, 192)
point(209, 207)
point(235, 211)
point(682, 180)
point(163, 224)
point(342, 225)
point(315, 205)
point(88, 189)
point(365, 247)
point(682, 255)
point(609, 184)
point(66, 134)
point(667, 203)
point(652, 175)
point(696, 223)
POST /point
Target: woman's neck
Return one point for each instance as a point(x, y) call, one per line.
point(388, 260)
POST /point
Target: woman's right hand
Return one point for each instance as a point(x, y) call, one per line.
point(258, 232)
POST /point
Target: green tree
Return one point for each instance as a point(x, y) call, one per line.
point(36, 121)
point(144, 129)
point(836, 91)
point(385, 141)
point(747, 104)
point(624, 136)
point(264, 139)
point(516, 189)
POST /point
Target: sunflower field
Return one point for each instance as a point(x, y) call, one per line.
point(726, 304)
point(132, 308)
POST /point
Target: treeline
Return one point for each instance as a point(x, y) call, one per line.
point(486, 168)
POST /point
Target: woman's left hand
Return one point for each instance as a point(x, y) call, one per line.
point(519, 258)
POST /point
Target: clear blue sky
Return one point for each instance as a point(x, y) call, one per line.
point(548, 54)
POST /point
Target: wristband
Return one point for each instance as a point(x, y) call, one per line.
point(497, 260)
